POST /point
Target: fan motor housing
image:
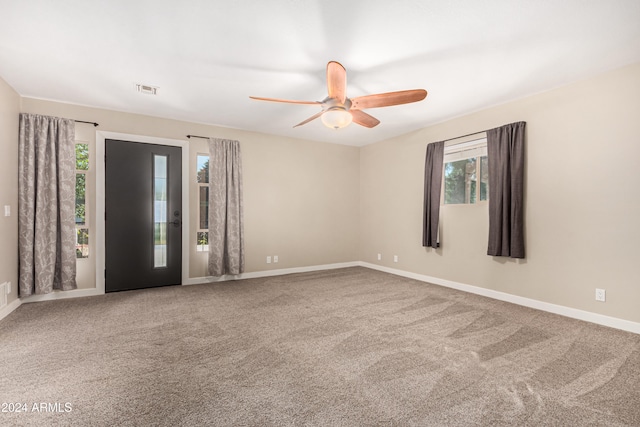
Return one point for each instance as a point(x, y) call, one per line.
point(331, 103)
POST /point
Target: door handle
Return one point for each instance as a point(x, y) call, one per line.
point(176, 223)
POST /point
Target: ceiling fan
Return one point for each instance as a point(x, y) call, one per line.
point(339, 111)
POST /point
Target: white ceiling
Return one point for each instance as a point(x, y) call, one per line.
point(209, 56)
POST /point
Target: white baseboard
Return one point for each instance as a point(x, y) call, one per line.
point(612, 322)
point(75, 293)
point(269, 273)
point(7, 309)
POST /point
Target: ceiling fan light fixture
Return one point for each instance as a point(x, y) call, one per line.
point(336, 118)
point(339, 111)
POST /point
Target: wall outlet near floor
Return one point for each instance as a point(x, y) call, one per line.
point(275, 258)
point(379, 257)
point(600, 295)
point(269, 260)
point(395, 258)
point(3, 294)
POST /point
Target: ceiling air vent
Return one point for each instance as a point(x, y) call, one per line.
point(149, 90)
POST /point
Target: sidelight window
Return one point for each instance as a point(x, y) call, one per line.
point(81, 212)
point(202, 179)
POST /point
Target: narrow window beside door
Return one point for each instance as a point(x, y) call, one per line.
point(81, 214)
point(160, 210)
point(202, 177)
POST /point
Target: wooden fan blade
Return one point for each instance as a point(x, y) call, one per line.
point(337, 81)
point(388, 99)
point(288, 101)
point(364, 119)
point(315, 116)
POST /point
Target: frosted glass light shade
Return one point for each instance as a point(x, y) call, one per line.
point(336, 118)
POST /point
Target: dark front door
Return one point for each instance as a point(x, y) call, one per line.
point(143, 222)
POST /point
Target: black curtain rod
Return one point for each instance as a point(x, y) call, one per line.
point(469, 134)
point(90, 123)
point(196, 136)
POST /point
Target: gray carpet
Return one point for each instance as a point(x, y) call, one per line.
point(334, 348)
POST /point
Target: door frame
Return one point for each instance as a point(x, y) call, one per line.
point(101, 136)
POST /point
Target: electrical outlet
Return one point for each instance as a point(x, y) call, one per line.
point(7, 210)
point(269, 260)
point(379, 257)
point(395, 258)
point(3, 294)
point(275, 258)
point(600, 295)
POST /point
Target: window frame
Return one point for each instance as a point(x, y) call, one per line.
point(160, 173)
point(87, 210)
point(474, 148)
point(200, 185)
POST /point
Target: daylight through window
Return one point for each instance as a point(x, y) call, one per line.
point(466, 173)
point(81, 214)
point(202, 178)
point(160, 178)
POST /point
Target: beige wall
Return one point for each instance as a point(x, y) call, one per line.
point(9, 116)
point(300, 202)
point(313, 203)
point(582, 200)
point(300, 197)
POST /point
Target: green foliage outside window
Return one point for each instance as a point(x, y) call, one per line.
point(82, 163)
point(82, 243)
point(82, 157)
point(203, 238)
point(81, 185)
point(202, 178)
point(203, 169)
point(82, 234)
point(461, 181)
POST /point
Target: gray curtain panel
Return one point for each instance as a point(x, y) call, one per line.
point(432, 189)
point(226, 229)
point(46, 204)
point(505, 148)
